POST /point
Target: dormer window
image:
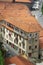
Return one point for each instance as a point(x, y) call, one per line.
point(16, 29)
point(3, 22)
point(10, 25)
point(30, 35)
point(36, 34)
point(21, 32)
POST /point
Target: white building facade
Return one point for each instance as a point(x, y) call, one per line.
point(20, 41)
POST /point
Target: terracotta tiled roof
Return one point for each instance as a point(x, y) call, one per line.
point(13, 6)
point(1, 17)
point(17, 60)
point(2, 6)
point(20, 16)
point(29, 1)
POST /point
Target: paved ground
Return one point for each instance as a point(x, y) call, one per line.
point(38, 14)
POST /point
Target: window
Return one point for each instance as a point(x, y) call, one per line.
point(21, 32)
point(20, 51)
point(36, 40)
point(30, 35)
point(7, 41)
point(16, 29)
point(29, 54)
point(36, 46)
point(10, 25)
point(23, 52)
point(35, 35)
point(16, 40)
point(15, 35)
point(9, 34)
point(20, 37)
point(29, 47)
point(32, 40)
point(23, 44)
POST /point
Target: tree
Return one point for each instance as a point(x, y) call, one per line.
point(1, 59)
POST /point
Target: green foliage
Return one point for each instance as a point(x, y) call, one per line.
point(1, 59)
point(42, 9)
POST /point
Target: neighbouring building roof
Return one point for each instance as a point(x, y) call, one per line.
point(41, 42)
point(6, 0)
point(28, 1)
point(17, 60)
point(41, 39)
point(41, 33)
point(20, 16)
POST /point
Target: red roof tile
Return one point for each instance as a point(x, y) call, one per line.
point(17, 60)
